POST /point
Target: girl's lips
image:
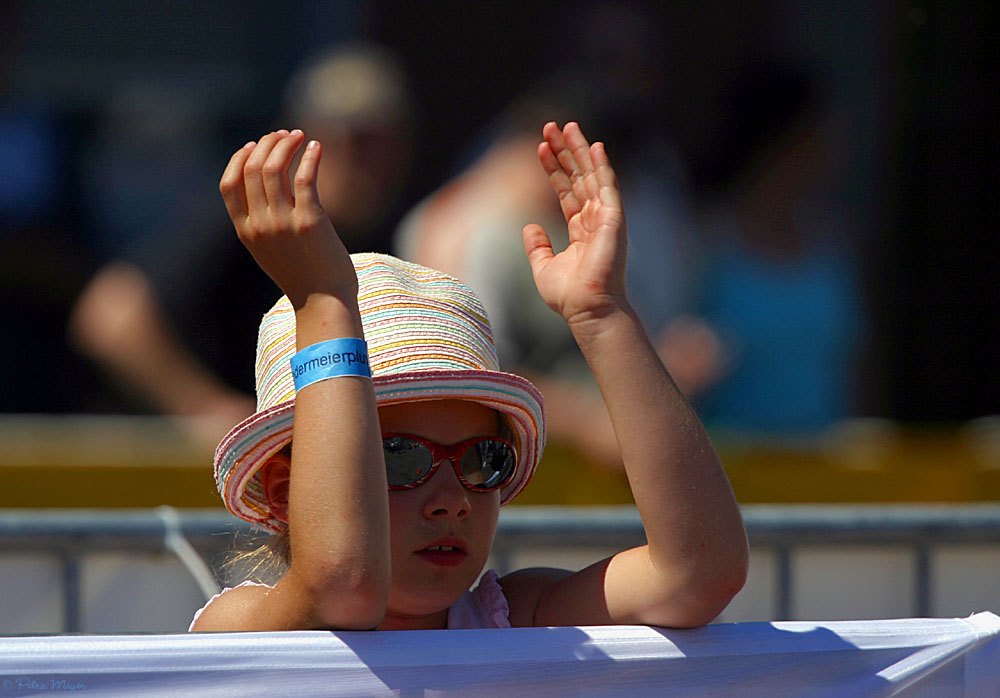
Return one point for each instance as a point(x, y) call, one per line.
point(443, 558)
point(445, 552)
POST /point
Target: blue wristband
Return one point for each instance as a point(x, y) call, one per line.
point(330, 359)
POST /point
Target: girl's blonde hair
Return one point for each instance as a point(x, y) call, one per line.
point(267, 562)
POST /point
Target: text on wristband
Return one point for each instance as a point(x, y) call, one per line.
point(330, 359)
point(347, 357)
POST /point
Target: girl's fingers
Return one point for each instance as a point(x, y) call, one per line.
point(551, 166)
point(253, 177)
point(537, 246)
point(585, 184)
point(605, 177)
point(231, 184)
point(557, 141)
point(560, 181)
point(275, 171)
point(306, 196)
point(578, 146)
point(572, 168)
point(602, 166)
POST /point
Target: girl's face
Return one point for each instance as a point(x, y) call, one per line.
point(440, 513)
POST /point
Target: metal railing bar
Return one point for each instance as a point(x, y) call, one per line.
point(175, 541)
point(783, 562)
point(71, 592)
point(70, 534)
point(923, 581)
point(766, 525)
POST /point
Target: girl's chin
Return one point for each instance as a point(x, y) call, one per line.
point(410, 621)
point(431, 599)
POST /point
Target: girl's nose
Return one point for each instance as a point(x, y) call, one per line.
point(445, 494)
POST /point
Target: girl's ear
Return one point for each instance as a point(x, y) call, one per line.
point(275, 475)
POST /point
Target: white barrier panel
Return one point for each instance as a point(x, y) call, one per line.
point(908, 657)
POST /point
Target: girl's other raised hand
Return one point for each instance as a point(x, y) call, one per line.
point(281, 221)
point(587, 279)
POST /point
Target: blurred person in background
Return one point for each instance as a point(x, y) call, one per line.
point(470, 226)
point(169, 320)
point(780, 306)
point(43, 260)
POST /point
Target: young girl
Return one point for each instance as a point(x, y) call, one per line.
point(390, 490)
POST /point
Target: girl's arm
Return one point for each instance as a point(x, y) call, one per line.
point(696, 557)
point(338, 504)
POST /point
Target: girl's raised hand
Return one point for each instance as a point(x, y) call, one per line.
point(587, 279)
point(282, 222)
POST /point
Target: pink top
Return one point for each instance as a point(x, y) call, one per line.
point(485, 606)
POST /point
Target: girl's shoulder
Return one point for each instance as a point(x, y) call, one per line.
point(225, 610)
point(524, 588)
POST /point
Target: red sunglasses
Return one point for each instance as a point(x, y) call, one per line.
point(481, 464)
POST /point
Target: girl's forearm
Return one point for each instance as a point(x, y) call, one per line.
point(338, 497)
point(693, 524)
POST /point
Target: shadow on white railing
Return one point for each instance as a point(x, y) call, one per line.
point(926, 657)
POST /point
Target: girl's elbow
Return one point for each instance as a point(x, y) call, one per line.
point(346, 599)
point(718, 586)
point(722, 575)
point(733, 577)
point(360, 609)
point(700, 607)
point(716, 591)
point(702, 596)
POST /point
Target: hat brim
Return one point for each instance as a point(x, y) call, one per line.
point(246, 448)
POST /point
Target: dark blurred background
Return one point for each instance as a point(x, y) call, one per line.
point(116, 119)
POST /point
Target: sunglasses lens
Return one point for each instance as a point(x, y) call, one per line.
point(487, 464)
point(406, 461)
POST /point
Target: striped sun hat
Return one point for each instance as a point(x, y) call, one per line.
point(428, 339)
